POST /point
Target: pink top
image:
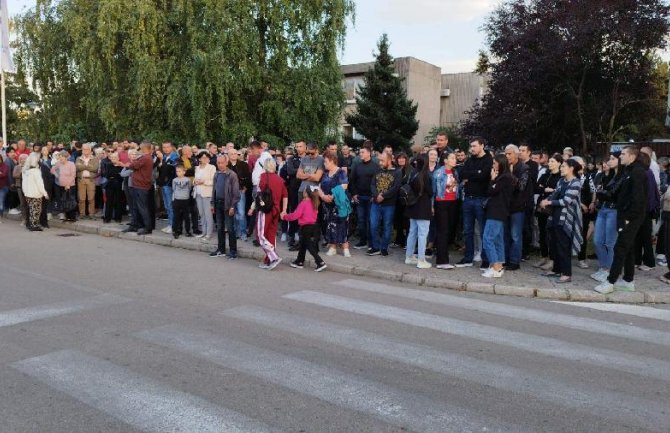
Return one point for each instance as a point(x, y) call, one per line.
point(304, 213)
point(66, 173)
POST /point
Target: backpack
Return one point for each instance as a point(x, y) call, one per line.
point(264, 200)
point(406, 196)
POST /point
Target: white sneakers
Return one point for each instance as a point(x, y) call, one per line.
point(331, 252)
point(582, 264)
point(445, 266)
point(14, 212)
point(601, 275)
point(644, 268)
point(412, 260)
point(607, 287)
point(492, 273)
point(346, 252)
point(167, 230)
point(422, 264)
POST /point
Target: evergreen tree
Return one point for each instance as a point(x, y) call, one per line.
point(384, 114)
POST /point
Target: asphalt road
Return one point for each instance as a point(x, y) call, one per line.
point(106, 335)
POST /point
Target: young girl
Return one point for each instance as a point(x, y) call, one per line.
point(306, 214)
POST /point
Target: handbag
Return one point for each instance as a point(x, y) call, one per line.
point(67, 202)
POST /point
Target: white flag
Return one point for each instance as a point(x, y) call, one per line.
point(6, 61)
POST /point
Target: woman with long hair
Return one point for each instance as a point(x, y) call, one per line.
point(606, 231)
point(565, 221)
point(497, 212)
point(546, 185)
point(419, 213)
point(400, 221)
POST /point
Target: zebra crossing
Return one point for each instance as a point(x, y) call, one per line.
point(317, 316)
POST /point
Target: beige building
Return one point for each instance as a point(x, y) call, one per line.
point(442, 99)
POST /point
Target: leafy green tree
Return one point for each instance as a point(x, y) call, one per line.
point(384, 114)
point(571, 72)
point(189, 70)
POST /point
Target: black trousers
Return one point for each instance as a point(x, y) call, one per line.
point(181, 216)
point(113, 202)
point(624, 252)
point(309, 241)
point(527, 232)
point(586, 219)
point(141, 208)
point(644, 250)
point(664, 236)
point(445, 224)
point(44, 221)
point(193, 211)
point(400, 225)
point(561, 247)
point(225, 222)
point(542, 228)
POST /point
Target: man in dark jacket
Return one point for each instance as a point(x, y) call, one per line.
point(631, 206)
point(475, 177)
point(384, 192)
point(241, 169)
point(530, 221)
point(225, 196)
point(362, 173)
point(292, 187)
point(522, 193)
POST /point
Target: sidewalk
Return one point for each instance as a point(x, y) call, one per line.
point(526, 282)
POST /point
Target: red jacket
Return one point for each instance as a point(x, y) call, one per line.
point(143, 172)
point(278, 188)
point(4, 175)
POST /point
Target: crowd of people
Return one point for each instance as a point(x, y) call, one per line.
point(494, 205)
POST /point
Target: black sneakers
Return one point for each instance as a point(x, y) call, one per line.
point(360, 245)
point(297, 265)
point(373, 252)
point(217, 253)
point(463, 264)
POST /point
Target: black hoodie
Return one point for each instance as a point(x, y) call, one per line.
point(631, 201)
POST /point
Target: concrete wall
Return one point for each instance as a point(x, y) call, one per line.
point(465, 89)
point(424, 84)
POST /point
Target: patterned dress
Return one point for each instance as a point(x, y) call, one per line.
point(336, 227)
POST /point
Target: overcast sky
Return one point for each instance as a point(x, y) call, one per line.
point(442, 32)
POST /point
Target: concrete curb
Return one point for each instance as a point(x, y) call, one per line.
point(580, 295)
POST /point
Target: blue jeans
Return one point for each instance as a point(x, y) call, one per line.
point(494, 241)
point(472, 212)
point(605, 236)
point(167, 202)
point(418, 232)
point(3, 196)
point(514, 237)
point(241, 216)
point(363, 220)
point(385, 214)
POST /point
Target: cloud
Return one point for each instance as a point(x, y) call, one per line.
point(435, 11)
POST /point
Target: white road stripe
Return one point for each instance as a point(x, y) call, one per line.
point(514, 312)
point(531, 343)
point(140, 402)
point(342, 389)
point(647, 312)
point(647, 414)
point(23, 315)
